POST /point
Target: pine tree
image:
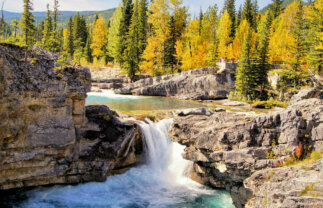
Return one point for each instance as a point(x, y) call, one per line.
point(15, 26)
point(48, 30)
point(200, 21)
point(113, 34)
point(2, 23)
point(276, 7)
point(70, 39)
point(229, 6)
point(132, 52)
point(27, 22)
point(248, 13)
point(245, 80)
point(125, 22)
point(143, 25)
point(170, 50)
point(261, 63)
point(239, 17)
point(315, 37)
point(298, 49)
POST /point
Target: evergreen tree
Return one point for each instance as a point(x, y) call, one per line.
point(2, 23)
point(200, 21)
point(48, 30)
point(239, 17)
point(170, 50)
point(314, 38)
point(27, 22)
point(143, 24)
point(276, 7)
point(70, 37)
point(88, 51)
point(113, 34)
point(55, 14)
point(39, 31)
point(15, 26)
point(261, 64)
point(245, 76)
point(248, 13)
point(229, 5)
point(298, 49)
point(125, 22)
point(132, 52)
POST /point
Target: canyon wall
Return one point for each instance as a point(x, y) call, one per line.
point(47, 136)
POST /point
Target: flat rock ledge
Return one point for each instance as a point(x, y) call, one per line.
point(229, 149)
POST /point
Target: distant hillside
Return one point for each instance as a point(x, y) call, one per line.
point(63, 18)
point(285, 4)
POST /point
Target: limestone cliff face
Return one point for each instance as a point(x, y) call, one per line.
point(227, 148)
point(199, 84)
point(46, 134)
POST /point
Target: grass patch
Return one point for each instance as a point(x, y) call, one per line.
point(307, 189)
point(315, 156)
point(269, 104)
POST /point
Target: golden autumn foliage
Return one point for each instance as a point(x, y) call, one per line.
point(282, 38)
point(194, 53)
point(99, 37)
point(224, 35)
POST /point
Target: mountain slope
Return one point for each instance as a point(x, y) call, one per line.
point(284, 5)
point(63, 18)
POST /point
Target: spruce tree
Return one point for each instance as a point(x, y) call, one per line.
point(124, 29)
point(276, 7)
point(245, 75)
point(143, 24)
point(239, 17)
point(48, 30)
point(70, 38)
point(132, 52)
point(27, 23)
point(248, 13)
point(314, 39)
point(261, 63)
point(298, 49)
point(200, 21)
point(229, 5)
point(170, 50)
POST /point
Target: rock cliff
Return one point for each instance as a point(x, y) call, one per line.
point(227, 148)
point(47, 136)
point(199, 84)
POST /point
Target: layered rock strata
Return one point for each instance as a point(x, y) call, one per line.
point(199, 84)
point(227, 148)
point(47, 136)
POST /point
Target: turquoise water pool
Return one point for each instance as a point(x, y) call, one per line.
point(126, 103)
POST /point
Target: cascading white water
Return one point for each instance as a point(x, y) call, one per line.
point(160, 183)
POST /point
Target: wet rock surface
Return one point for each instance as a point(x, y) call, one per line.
point(227, 148)
point(47, 136)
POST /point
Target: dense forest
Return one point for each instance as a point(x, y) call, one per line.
point(161, 37)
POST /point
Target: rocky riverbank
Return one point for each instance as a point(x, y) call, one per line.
point(199, 84)
point(235, 151)
point(47, 136)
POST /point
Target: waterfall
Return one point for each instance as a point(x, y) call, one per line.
point(160, 183)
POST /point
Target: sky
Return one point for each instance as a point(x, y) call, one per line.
point(94, 5)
